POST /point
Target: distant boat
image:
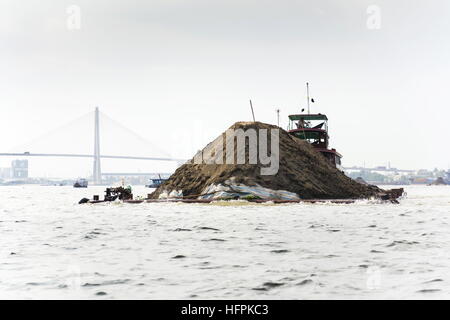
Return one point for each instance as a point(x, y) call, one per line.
point(438, 182)
point(155, 183)
point(81, 183)
point(13, 182)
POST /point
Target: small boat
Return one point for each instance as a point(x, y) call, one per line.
point(81, 183)
point(155, 183)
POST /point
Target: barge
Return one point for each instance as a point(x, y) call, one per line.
point(81, 183)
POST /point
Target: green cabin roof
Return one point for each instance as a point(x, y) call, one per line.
point(308, 117)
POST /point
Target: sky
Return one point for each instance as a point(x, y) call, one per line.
point(178, 73)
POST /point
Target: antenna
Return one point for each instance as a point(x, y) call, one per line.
point(253, 114)
point(278, 117)
point(307, 94)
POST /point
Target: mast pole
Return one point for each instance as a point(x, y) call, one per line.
point(253, 114)
point(307, 94)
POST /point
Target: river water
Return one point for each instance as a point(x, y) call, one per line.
point(51, 247)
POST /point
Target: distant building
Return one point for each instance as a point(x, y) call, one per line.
point(19, 169)
point(5, 173)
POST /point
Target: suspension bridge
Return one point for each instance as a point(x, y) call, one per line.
point(96, 154)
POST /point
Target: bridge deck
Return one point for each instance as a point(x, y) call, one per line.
point(69, 155)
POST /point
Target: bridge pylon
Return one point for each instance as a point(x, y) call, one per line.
point(97, 174)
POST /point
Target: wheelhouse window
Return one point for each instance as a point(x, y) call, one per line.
point(312, 137)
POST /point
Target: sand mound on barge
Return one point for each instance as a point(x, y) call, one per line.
point(303, 174)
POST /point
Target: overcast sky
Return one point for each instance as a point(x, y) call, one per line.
point(180, 72)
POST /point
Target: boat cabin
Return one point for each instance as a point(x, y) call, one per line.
point(313, 128)
point(310, 127)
